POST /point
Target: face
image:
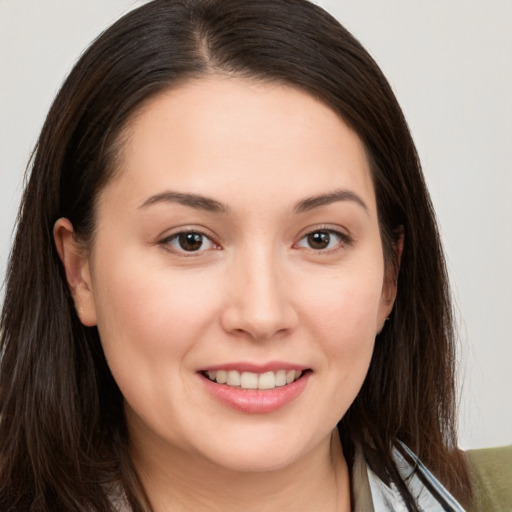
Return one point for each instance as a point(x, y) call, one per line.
point(239, 241)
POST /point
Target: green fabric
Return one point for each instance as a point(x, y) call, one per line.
point(491, 469)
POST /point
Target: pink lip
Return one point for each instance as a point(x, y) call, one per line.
point(272, 366)
point(256, 401)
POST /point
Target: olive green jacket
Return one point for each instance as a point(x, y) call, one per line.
point(491, 469)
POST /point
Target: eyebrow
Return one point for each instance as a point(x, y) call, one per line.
point(193, 200)
point(331, 197)
point(211, 205)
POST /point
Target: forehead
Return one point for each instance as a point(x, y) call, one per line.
point(214, 136)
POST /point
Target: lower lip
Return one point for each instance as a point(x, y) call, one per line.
point(257, 401)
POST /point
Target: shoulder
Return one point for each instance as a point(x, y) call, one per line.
point(491, 470)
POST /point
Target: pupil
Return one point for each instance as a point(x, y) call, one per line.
point(191, 241)
point(319, 240)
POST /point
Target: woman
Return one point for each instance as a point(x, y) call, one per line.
point(227, 289)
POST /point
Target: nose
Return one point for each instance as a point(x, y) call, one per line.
point(259, 299)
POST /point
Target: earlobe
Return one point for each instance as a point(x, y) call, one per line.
point(77, 268)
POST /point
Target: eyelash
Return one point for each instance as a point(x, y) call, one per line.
point(176, 237)
point(343, 241)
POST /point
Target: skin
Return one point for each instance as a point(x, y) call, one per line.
point(255, 291)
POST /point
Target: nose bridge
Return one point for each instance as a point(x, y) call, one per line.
point(260, 304)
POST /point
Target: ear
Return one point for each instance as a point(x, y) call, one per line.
point(76, 264)
point(389, 288)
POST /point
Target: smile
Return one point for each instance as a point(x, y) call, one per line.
point(251, 380)
point(256, 389)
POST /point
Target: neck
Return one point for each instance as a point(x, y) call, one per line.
point(183, 482)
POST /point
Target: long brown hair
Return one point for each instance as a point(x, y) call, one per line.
point(63, 437)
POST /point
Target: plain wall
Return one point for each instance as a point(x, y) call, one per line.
point(450, 66)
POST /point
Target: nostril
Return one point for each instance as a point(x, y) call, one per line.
point(260, 311)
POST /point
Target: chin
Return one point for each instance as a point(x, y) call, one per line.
point(256, 463)
point(258, 453)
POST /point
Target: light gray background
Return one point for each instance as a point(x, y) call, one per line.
point(450, 66)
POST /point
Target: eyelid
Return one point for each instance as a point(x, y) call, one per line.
point(345, 238)
point(165, 240)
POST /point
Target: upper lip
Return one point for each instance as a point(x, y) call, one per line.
point(244, 366)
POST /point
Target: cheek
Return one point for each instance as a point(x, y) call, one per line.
point(350, 336)
point(135, 293)
point(151, 321)
point(346, 305)
point(149, 317)
point(343, 317)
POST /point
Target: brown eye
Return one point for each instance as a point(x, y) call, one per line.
point(319, 240)
point(323, 240)
point(189, 241)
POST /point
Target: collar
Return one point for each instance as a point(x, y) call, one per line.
point(371, 494)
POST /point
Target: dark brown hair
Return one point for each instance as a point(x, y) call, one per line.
point(63, 437)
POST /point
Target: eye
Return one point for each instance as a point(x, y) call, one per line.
point(190, 241)
point(322, 239)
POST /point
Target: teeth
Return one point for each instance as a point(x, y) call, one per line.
point(233, 378)
point(267, 381)
point(250, 380)
point(281, 378)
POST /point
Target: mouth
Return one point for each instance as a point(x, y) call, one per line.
point(251, 380)
point(256, 388)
